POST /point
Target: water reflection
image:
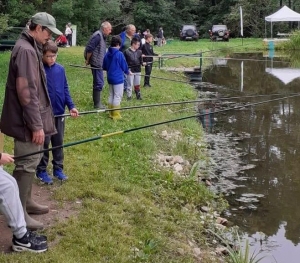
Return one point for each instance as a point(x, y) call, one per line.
point(207, 115)
point(275, 141)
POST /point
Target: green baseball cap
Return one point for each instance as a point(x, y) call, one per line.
point(44, 19)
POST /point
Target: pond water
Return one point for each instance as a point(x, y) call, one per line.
point(265, 203)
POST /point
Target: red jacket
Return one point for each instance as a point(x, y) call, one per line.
point(61, 40)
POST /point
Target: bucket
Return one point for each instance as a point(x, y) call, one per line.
point(271, 45)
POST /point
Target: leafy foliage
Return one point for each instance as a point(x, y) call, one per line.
point(171, 14)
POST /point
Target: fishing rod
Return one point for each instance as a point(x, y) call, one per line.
point(244, 59)
point(171, 103)
point(225, 58)
point(135, 107)
point(86, 67)
point(173, 80)
point(144, 127)
point(89, 67)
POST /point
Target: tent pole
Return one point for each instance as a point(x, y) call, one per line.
point(265, 29)
point(271, 30)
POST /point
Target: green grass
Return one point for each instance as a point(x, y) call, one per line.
point(132, 209)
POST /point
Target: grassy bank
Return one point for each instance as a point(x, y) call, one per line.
point(132, 209)
point(207, 48)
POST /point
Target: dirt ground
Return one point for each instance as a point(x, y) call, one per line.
point(43, 195)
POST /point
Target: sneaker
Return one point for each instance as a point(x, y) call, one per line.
point(58, 173)
point(30, 242)
point(147, 86)
point(44, 177)
point(129, 98)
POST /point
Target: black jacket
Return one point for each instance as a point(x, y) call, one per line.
point(134, 59)
point(147, 50)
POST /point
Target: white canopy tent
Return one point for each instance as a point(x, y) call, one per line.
point(286, 75)
point(284, 14)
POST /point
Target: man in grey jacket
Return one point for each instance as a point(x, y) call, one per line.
point(94, 54)
point(27, 113)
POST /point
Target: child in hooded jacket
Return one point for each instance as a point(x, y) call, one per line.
point(115, 65)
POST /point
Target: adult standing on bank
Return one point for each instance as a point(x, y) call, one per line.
point(94, 54)
point(27, 113)
point(69, 33)
point(126, 37)
point(160, 36)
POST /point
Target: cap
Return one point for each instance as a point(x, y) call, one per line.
point(44, 19)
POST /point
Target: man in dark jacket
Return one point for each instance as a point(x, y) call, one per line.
point(27, 113)
point(160, 36)
point(94, 53)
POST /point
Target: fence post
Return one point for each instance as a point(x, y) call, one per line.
point(201, 61)
point(160, 61)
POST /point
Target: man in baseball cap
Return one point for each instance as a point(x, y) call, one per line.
point(46, 20)
point(27, 115)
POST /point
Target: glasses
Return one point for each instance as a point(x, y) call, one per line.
point(51, 56)
point(48, 30)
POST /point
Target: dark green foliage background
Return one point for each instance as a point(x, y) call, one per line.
point(171, 14)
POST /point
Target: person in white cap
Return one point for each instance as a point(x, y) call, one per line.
point(27, 113)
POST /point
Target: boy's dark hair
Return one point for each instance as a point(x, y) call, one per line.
point(115, 41)
point(50, 46)
point(134, 40)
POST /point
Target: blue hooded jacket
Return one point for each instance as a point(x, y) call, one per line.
point(115, 64)
point(58, 88)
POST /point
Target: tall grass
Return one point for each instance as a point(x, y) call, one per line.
point(292, 44)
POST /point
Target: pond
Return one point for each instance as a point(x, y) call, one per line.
point(263, 201)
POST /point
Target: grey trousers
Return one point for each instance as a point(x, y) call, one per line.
point(115, 94)
point(10, 204)
point(133, 80)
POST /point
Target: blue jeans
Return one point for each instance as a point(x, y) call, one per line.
point(55, 140)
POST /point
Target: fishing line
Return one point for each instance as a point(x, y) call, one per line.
point(172, 103)
point(144, 127)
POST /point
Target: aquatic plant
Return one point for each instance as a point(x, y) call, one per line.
point(240, 254)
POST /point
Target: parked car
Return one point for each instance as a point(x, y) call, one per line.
point(189, 32)
point(9, 37)
point(219, 32)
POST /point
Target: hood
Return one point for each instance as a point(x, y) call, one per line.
point(111, 51)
